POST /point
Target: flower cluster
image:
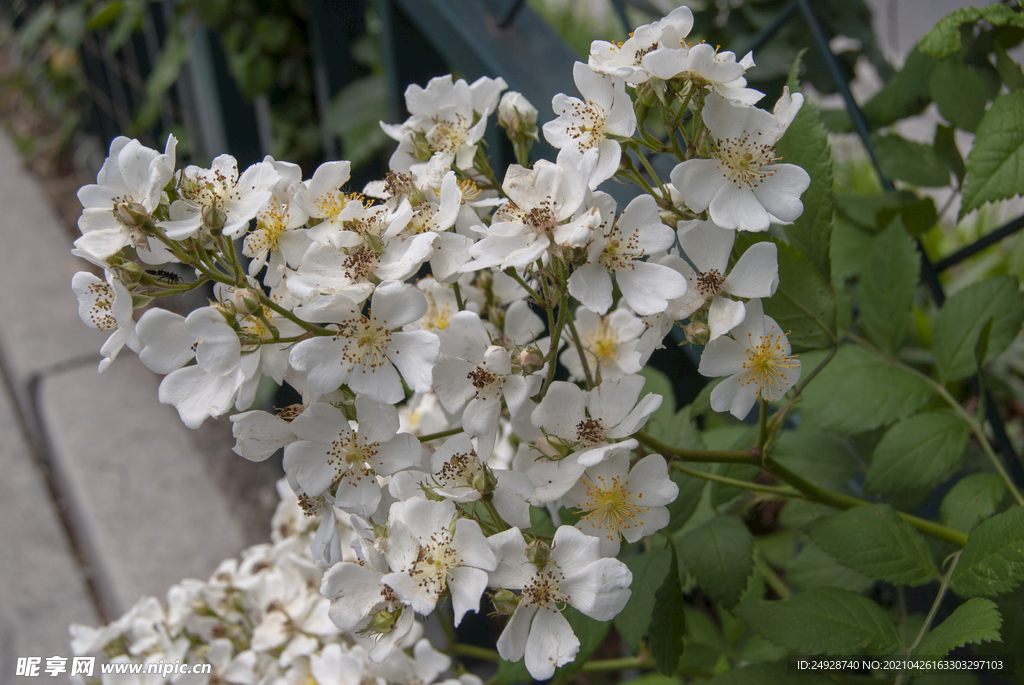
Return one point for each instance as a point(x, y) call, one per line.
point(430, 416)
point(258, 619)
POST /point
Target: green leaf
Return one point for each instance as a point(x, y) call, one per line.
point(858, 391)
point(767, 674)
point(873, 212)
point(818, 456)
point(806, 145)
point(995, 165)
point(719, 554)
point(964, 315)
point(661, 425)
point(887, 287)
point(917, 216)
point(945, 147)
point(908, 161)
point(355, 114)
point(873, 540)
point(648, 570)
point(104, 13)
point(904, 95)
point(813, 567)
point(918, 453)
point(993, 558)
point(688, 499)
point(944, 40)
point(1011, 609)
point(972, 500)
point(1009, 71)
point(960, 92)
point(823, 621)
point(804, 304)
point(973, 622)
point(668, 623)
point(850, 248)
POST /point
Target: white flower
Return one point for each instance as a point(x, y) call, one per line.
point(132, 175)
point(756, 361)
point(609, 343)
point(366, 349)
point(329, 451)
point(517, 114)
point(258, 435)
point(279, 236)
point(646, 286)
point(615, 502)
point(106, 306)
point(625, 61)
point(571, 573)
point(203, 192)
point(705, 67)
point(585, 124)
point(472, 375)
point(585, 425)
point(429, 551)
point(542, 200)
point(755, 274)
point(742, 186)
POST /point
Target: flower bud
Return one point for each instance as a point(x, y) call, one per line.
point(531, 359)
point(130, 272)
point(383, 621)
point(484, 482)
point(517, 115)
point(131, 214)
point(504, 602)
point(538, 552)
point(214, 217)
point(245, 301)
point(697, 333)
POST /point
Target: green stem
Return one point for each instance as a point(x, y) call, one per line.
point(781, 491)
point(458, 296)
point(511, 272)
point(583, 354)
point(762, 425)
point(976, 428)
point(556, 336)
point(841, 501)
point(654, 175)
point(474, 652)
point(943, 587)
point(776, 421)
point(772, 578)
point(274, 306)
point(623, 664)
point(499, 522)
point(439, 435)
point(699, 456)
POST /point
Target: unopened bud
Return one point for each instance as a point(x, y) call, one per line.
point(504, 602)
point(538, 552)
point(245, 301)
point(131, 214)
point(383, 621)
point(531, 359)
point(214, 217)
point(517, 115)
point(485, 482)
point(130, 272)
point(421, 147)
point(697, 333)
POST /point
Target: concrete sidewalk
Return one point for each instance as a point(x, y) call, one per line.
point(105, 495)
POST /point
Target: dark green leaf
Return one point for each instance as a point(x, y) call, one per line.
point(873, 212)
point(668, 623)
point(850, 248)
point(964, 315)
point(904, 95)
point(796, 515)
point(981, 347)
point(823, 621)
point(813, 567)
point(804, 304)
point(918, 453)
point(973, 622)
point(908, 161)
point(972, 500)
point(648, 569)
point(719, 554)
point(104, 13)
point(945, 147)
point(806, 145)
point(944, 40)
point(995, 165)
point(960, 92)
point(858, 391)
point(993, 558)
point(1011, 609)
point(873, 540)
point(1009, 71)
point(887, 287)
point(818, 456)
point(917, 216)
point(690, 491)
point(661, 425)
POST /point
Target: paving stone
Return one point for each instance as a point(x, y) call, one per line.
point(136, 481)
point(42, 586)
point(40, 328)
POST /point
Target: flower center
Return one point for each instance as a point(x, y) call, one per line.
point(448, 136)
point(710, 282)
point(459, 471)
point(602, 343)
point(101, 314)
point(621, 253)
point(366, 342)
point(360, 264)
point(483, 379)
point(436, 558)
point(590, 432)
point(542, 217)
point(611, 507)
point(766, 363)
point(741, 160)
point(542, 589)
point(588, 124)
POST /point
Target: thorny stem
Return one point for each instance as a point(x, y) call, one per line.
point(976, 428)
point(943, 587)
